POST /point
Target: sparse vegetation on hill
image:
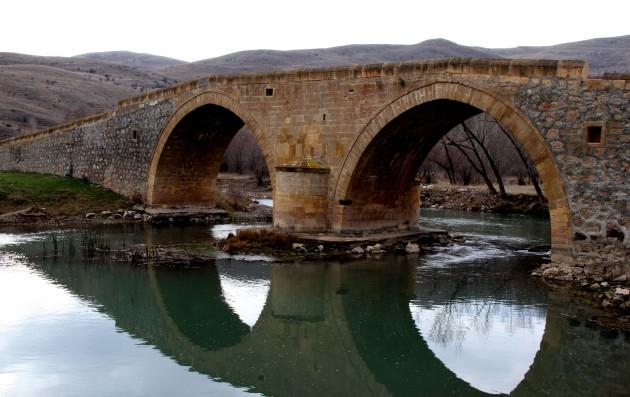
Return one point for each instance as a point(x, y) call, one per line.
point(39, 92)
point(140, 61)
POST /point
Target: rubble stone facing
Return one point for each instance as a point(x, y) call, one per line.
point(596, 177)
point(332, 115)
point(101, 151)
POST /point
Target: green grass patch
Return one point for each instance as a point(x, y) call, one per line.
point(59, 195)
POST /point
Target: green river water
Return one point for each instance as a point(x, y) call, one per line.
point(465, 319)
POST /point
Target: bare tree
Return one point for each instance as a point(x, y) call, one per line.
point(527, 163)
point(480, 150)
point(243, 156)
point(477, 163)
point(479, 138)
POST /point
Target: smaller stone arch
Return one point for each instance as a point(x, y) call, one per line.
point(521, 128)
point(178, 188)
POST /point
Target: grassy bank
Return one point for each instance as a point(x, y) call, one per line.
point(58, 195)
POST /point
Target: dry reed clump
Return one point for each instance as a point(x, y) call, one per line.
point(256, 238)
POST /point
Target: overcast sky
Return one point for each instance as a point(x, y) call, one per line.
point(192, 30)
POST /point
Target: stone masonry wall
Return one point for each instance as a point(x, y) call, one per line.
point(103, 151)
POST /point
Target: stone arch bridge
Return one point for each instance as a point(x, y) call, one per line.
point(343, 145)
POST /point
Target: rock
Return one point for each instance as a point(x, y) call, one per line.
point(146, 218)
point(117, 216)
point(412, 248)
point(31, 214)
point(369, 249)
point(539, 248)
point(129, 214)
point(106, 214)
point(551, 272)
point(357, 250)
point(90, 215)
point(457, 237)
point(621, 278)
point(298, 247)
point(320, 248)
point(604, 284)
point(622, 291)
point(137, 217)
point(595, 286)
point(120, 211)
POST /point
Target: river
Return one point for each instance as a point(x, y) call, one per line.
point(465, 319)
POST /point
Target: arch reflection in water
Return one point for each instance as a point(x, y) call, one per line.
point(487, 341)
point(340, 329)
point(245, 288)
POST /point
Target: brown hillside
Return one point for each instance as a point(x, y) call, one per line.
point(133, 59)
point(38, 92)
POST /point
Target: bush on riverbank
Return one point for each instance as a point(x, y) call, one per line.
point(58, 195)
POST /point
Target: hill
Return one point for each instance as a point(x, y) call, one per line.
point(39, 92)
point(136, 60)
point(268, 60)
point(605, 55)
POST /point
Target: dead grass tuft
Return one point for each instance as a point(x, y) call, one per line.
point(256, 238)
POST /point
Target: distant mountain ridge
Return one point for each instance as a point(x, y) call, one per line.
point(38, 92)
point(604, 55)
point(268, 60)
point(146, 62)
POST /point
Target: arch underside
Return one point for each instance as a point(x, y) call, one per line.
point(376, 186)
point(189, 163)
point(383, 192)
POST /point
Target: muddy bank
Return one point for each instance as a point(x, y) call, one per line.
point(474, 199)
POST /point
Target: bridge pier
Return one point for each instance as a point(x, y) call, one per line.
point(301, 196)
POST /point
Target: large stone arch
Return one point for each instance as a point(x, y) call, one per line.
point(484, 101)
point(223, 106)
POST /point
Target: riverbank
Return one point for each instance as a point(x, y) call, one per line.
point(519, 200)
point(611, 294)
point(43, 201)
point(49, 200)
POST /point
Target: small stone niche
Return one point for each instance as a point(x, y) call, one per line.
point(268, 91)
point(135, 134)
point(594, 134)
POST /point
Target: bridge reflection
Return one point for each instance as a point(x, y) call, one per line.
point(334, 330)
